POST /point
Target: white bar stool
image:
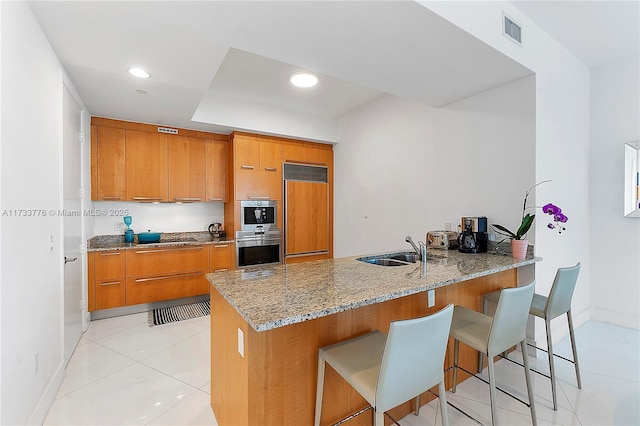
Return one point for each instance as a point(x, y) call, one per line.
point(548, 308)
point(389, 370)
point(492, 336)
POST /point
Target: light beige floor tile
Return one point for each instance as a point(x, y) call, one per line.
point(134, 395)
point(188, 360)
point(193, 410)
point(91, 362)
point(105, 327)
point(142, 341)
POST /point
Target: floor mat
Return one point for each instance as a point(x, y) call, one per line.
point(178, 313)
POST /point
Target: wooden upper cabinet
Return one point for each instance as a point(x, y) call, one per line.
point(146, 166)
point(107, 164)
point(258, 167)
point(215, 170)
point(246, 153)
point(186, 157)
point(309, 153)
point(270, 156)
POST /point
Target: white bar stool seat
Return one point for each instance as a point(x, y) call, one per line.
point(390, 370)
point(492, 336)
point(548, 308)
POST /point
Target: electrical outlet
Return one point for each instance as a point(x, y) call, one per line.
point(241, 343)
point(431, 298)
point(447, 227)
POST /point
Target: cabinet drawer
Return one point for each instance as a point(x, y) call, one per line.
point(109, 264)
point(109, 293)
point(164, 261)
point(155, 289)
point(220, 257)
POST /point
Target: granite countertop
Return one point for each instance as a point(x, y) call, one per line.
point(272, 297)
point(167, 239)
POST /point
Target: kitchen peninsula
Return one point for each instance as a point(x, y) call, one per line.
point(268, 323)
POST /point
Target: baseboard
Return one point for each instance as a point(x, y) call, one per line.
point(616, 318)
point(41, 410)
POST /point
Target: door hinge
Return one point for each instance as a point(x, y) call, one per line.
point(83, 304)
point(81, 137)
point(81, 192)
point(83, 247)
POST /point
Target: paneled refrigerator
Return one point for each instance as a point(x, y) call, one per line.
point(306, 211)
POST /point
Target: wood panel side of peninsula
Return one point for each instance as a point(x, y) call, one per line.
point(274, 383)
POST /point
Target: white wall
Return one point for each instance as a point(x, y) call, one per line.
point(163, 217)
point(615, 240)
point(562, 137)
point(405, 168)
point(31, 285)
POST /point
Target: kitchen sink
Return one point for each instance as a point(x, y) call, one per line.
point(384, 262)
point(402, 258)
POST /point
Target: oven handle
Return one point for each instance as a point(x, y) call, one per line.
point(258, 242)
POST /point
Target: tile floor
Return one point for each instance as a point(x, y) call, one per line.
point(125, 372)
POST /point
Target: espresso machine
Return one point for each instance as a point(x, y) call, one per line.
point(473, 235)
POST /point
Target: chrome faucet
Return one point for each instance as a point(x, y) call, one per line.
point(422, 251)
point(410, 241)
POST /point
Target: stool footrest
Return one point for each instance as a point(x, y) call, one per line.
point(356, 414)
point(497, 387)
point(546, 351)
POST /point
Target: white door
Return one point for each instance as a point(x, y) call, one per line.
point(72, 224)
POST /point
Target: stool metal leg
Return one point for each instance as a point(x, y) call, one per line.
point(442, 395)
point(417, 410)
point(319, 390)
point(552, 369)
point(456, 352)
point(492, 391)
point(574, 349)
point(485, 310)
point(527, 376)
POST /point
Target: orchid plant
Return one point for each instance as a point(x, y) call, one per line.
point(559, 219)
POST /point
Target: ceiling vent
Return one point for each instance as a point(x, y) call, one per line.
point(167, 130)
point(511, 29)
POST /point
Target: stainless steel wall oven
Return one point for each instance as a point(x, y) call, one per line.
point(255, 248)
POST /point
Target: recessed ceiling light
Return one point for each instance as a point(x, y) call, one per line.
point(303, 79)
point(139, 72)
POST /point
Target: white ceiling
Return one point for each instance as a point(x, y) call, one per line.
point(596, 32)
point(218, 65)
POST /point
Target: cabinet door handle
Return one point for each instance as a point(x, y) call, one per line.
point(215, 199)
point(147, 198)
point(270, 169)
point(246, 167)
point(168, 277)
point(117, 253)
point(111, 283)
point(221, 246)
point(110, 198)
point(166, 250)
point(187, 198)
point(220, 270)
point(259, 197)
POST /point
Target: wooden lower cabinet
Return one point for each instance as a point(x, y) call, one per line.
point(167, 287)
point(129, 277)
point(106, 279)
point(220, 257)
point(166, 261)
